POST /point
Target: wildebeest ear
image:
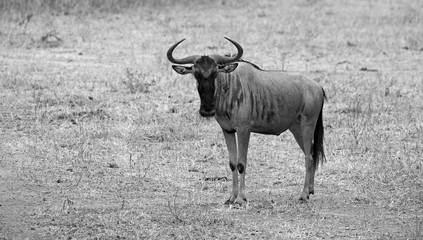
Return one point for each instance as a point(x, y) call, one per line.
point(227, 68)
point(182, 69)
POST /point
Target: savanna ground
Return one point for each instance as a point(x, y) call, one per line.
point(100, 139)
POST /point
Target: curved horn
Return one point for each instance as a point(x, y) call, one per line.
point(190, 59)
point(222, 59)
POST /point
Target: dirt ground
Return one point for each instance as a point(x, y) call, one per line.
point(100, 139)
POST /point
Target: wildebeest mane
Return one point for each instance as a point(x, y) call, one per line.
point(244, 61)
point(252, 64)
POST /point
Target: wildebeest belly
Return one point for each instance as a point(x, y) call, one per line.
point(274, 122)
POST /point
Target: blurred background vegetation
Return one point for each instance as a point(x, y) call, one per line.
point(86, 6)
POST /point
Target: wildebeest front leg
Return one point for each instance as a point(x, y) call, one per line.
point(243, 141)
point(233, 162)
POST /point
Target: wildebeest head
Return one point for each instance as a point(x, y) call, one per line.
point(205, 70)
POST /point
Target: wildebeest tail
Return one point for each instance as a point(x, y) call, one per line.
point(318, 150)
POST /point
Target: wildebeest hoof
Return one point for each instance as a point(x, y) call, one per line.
point(229, 202)
point(303, 198)
point(240, 203)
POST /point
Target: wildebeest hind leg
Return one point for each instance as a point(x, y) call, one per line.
point(303, 134)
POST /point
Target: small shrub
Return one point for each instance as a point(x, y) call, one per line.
point(138, 82)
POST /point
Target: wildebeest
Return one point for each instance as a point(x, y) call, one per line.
point(244, 98)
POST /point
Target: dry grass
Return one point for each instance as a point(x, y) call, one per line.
point(101, 140)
